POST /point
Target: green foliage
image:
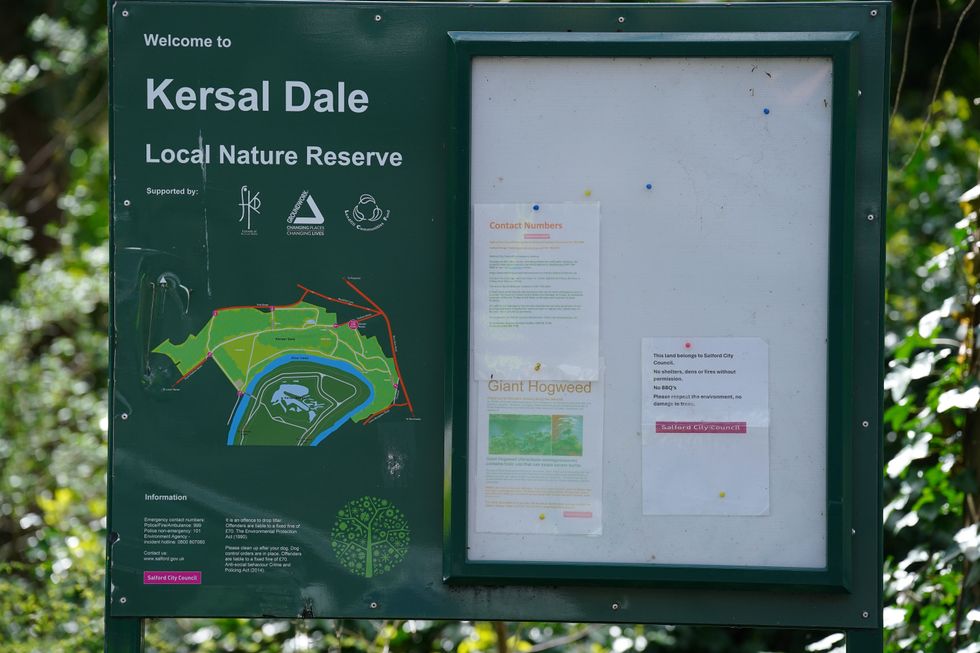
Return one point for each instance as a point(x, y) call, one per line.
point(59, 49)
point(53, 355)
point(54, 362)
point(53, 344)
point(932, 430)
point(421, 636)
point(924, 185)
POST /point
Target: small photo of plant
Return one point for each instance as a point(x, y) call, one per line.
point(536, 435)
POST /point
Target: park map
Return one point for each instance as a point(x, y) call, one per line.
point(299, 371)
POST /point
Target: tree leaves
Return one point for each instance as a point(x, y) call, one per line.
point(933, 432)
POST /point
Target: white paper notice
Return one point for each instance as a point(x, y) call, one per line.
point(539, 457)
point(705, 426)
point(535, 291)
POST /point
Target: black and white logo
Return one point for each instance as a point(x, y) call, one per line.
point(305, 219)
point(367, 215)
point(249, 204)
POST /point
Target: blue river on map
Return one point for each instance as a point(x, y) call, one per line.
point(291, 358)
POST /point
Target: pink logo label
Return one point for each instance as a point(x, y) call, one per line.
point(171, 578)
point(576, 514)
point(702, 427)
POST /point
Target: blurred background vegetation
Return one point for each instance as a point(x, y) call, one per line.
point(53, 366)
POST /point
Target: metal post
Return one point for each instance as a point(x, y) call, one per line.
point(123, 635)
point(865, 640)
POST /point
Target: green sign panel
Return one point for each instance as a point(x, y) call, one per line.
point(390, 339)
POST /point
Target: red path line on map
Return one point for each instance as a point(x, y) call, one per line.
point(230, 308)
point(297, 302)
point(192, 370)
point(271, 306)
point(391, 339)
point(373, 307)
point(367, 420)
point(334, 299)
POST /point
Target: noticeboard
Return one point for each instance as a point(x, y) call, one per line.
point(565, 313)
point(710, 361)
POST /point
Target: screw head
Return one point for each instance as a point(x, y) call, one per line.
point(871, 217)
point(124, 416)
point(621, 19)
point(377, 18)
point(874, 12)
point(374, 605)
point(615, 606)
point(126, 202)
point(865, 424)
point(865, 614)
point(125, 13)
point(122, 599)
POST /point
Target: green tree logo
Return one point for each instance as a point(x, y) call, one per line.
point(370, 536)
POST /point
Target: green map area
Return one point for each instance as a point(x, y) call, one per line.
point(299, 372)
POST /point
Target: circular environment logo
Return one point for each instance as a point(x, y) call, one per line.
point(367, 215)
point(370, 536)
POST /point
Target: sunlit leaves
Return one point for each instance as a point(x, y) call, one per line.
point(931, 384)
point(54, 357)
point(61, 49)
point(14, 235)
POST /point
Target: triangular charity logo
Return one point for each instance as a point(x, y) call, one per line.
point(305, 219)
point(307, 199)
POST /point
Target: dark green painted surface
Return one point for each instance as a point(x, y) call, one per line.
point(173, 439)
